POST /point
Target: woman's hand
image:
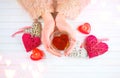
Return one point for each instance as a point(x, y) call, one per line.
point(63, 26)
point(49, 25)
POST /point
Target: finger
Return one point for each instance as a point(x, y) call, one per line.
point(70, 48)
point(52, 51)
point(55, 52)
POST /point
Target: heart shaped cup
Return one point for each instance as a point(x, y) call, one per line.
point(60, 41)
point(30, 42)
point(94, 47)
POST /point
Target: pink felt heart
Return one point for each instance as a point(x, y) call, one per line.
point(94, 47)
point(30, 42)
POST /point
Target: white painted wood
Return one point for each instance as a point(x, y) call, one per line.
point(104, 17)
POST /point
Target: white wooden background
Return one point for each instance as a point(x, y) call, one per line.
point(104, 17)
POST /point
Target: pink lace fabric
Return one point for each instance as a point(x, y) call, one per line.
point(71, 8)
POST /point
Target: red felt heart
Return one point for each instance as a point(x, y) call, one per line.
point(60, 42)
point(30, 42)
point(37, 54)
point(85, 28)
point(94, 47)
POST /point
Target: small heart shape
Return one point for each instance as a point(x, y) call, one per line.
point(85, 28)
point(30, 42)
point(94, 47)
point(37, 54)
point(34, 30)
point(60, 42)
